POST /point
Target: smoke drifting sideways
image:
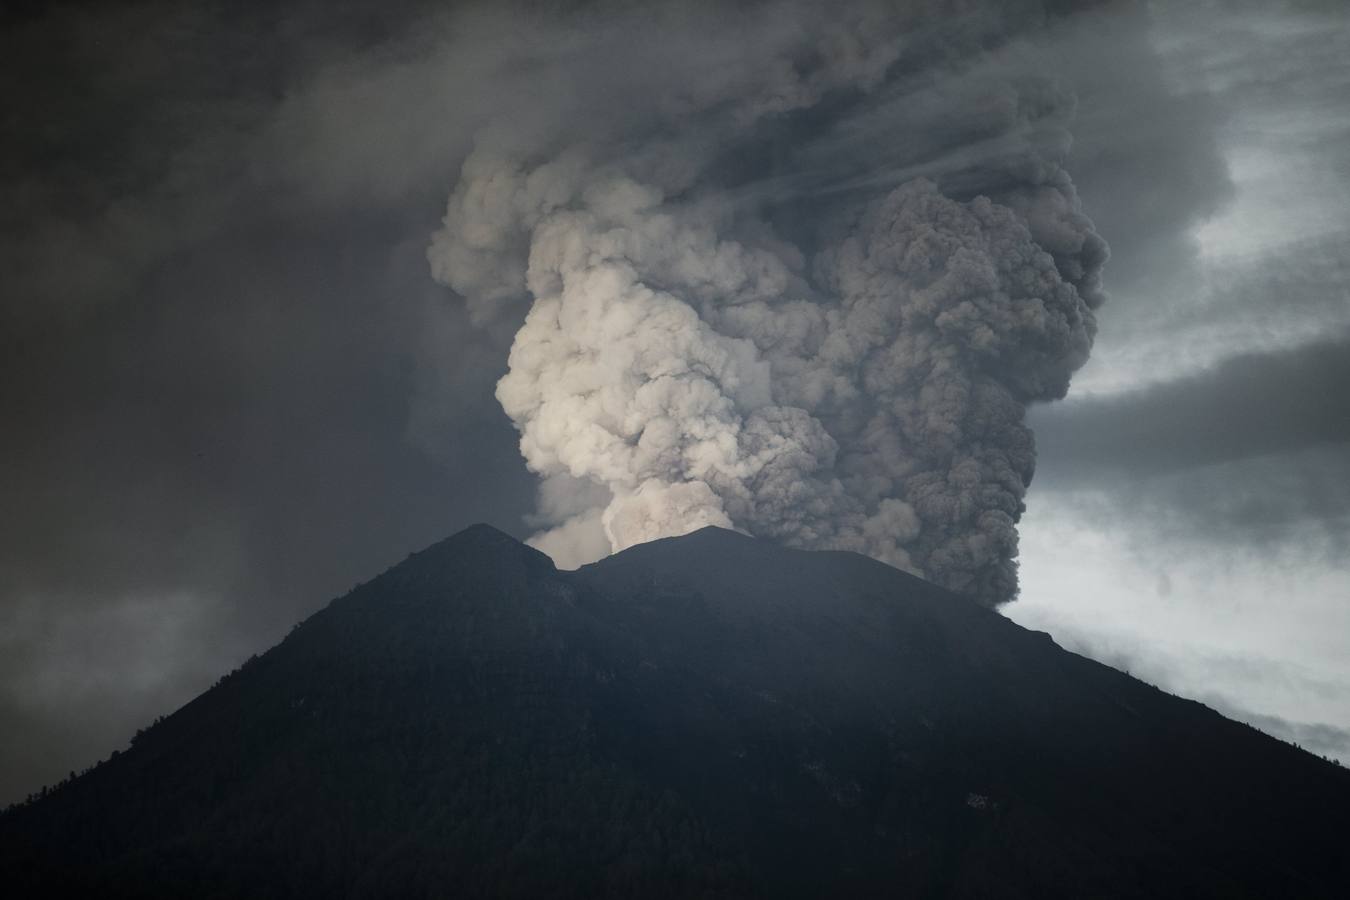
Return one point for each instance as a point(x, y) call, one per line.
point(796, 269)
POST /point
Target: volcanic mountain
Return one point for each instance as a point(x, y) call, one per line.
point(709, 715)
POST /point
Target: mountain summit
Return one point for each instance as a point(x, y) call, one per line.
point(703, 716)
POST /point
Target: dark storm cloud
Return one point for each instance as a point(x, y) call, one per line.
point(1252, 453)
point(1290, 296)
point(229, 390)
point(117, 118)
point(1239, 243)
point(1247, 406)
point(240, 442)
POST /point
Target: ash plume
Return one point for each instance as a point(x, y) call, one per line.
point(792, 270)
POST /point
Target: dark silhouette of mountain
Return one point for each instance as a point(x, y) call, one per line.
point(709, 716)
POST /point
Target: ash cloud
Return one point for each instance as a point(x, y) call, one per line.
point(802, 280)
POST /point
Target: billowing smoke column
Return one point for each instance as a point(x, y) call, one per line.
point(804, 283)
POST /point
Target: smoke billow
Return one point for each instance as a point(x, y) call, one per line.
point(790, 270)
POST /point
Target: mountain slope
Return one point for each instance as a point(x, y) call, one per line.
point(709, 715)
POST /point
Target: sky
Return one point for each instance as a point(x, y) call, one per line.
point(248, 359)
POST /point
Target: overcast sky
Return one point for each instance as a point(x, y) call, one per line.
point(230, 387)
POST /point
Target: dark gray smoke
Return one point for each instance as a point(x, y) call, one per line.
point(797, 270)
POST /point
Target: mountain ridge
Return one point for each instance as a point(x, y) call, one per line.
point(708, 715)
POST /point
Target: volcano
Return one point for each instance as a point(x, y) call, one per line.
point(704, 716)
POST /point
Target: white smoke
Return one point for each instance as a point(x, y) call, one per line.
point(861, 385)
